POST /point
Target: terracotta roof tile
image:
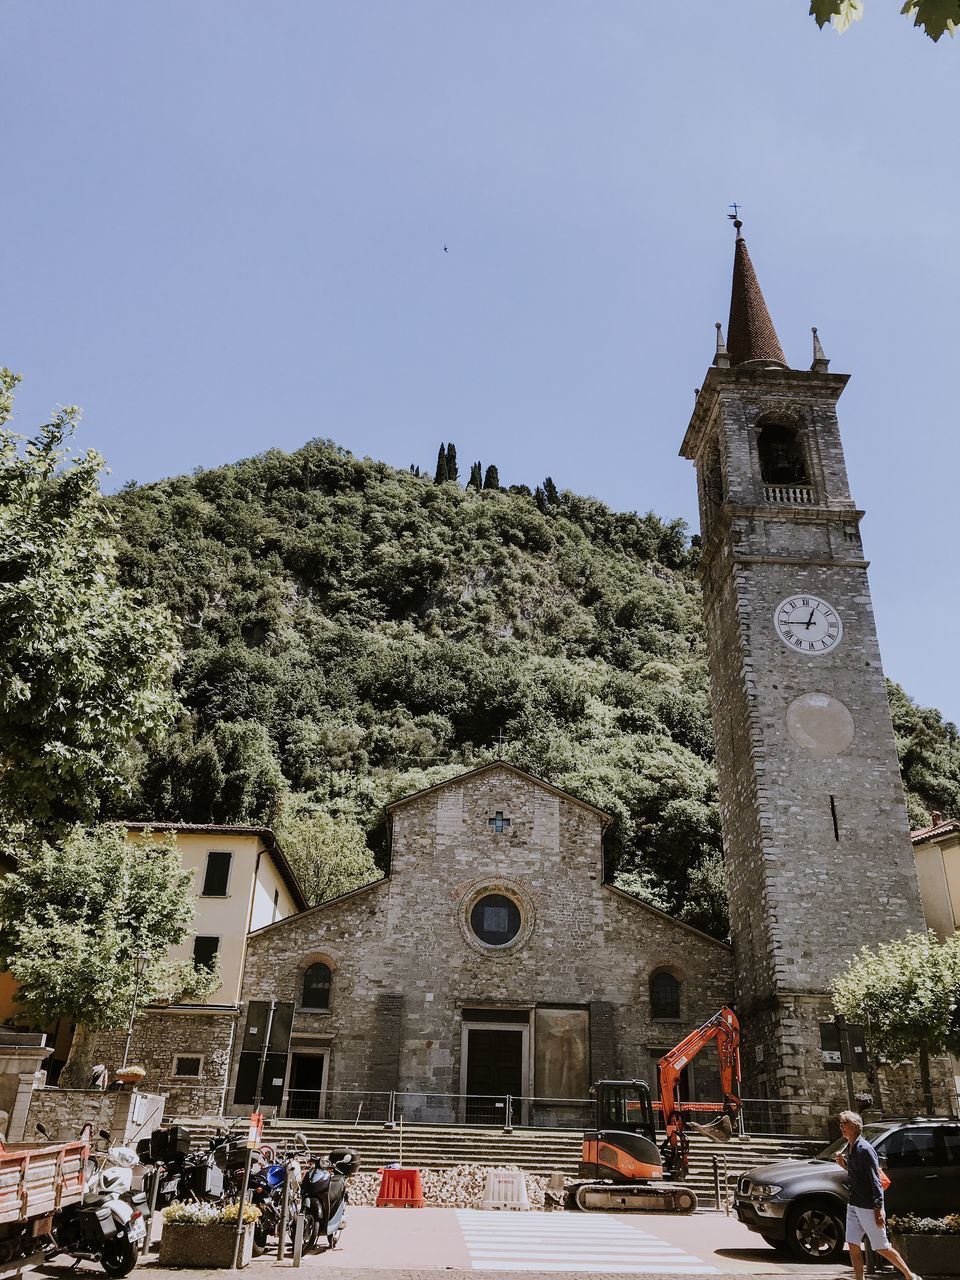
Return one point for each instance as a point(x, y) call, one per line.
point(750, 332)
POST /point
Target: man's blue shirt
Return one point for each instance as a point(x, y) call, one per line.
point(863, 1167)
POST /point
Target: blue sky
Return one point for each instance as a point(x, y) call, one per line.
point(224, 227)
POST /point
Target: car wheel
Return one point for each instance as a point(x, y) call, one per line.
point(815, 1233)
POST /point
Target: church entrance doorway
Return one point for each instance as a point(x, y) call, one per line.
point(495, 1066)
point(306, 1091)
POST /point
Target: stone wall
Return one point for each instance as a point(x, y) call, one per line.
point(406, 964)
point(129, 1115)
point(159, 1036)
point(816, 839)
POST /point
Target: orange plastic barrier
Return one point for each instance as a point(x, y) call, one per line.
point(400, 1189)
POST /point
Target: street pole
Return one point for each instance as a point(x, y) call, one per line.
point(844, 1036)
point(139, 968)
point(245, 1185)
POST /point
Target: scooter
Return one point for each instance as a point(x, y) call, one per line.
point(108, 1225)
point(323, 1196)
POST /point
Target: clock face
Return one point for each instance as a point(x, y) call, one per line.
point(807, 624)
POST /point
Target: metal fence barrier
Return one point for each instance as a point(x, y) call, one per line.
point(799, 1116)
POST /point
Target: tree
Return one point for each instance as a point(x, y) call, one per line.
point(933, 16)
point(476, 477)
point(550, 492)
point(329, 855)
point(85, 666)
point(440, 475)
point(75, 917)
point(453, 472)
point(229, 775)
point(492, 479)
point(908, 994)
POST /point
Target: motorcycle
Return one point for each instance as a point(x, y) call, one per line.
point(110, 1222)
point(266, 1194)
point(323, 1196)
point(183, 1174)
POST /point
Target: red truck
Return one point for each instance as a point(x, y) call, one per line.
point(35, 1182)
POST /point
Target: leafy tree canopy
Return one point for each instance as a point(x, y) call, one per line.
point(85, 666)
point(932, 16)
point(354, 633)
point(75, 916)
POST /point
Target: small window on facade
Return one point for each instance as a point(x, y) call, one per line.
point(217, 875)
point(205, 951)
point(664, 995)
point(187, 1065)
point(782, 459)
point(316, 987)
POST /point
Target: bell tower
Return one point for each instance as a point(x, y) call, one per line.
point(816, 840)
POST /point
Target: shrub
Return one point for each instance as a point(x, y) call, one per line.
point(911, 1225)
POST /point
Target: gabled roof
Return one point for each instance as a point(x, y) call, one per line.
point(264, 834)
point(944, 827)
point(605, 818)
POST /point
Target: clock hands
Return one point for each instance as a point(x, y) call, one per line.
point(809, 620)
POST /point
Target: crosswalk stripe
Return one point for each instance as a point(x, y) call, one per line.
point(502, 1241)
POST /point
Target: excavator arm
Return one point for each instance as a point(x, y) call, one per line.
point(724, 1028)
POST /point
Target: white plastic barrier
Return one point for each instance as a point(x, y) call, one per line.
point(505, 1189)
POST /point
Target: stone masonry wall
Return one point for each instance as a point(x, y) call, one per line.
point(816, 839)
point(162, 1034)
point(582, 943)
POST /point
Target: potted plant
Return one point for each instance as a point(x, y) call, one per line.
point(204, 1235)
point(131, 1074)
point(931, 1246)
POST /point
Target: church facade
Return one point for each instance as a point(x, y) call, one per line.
point(492, 962)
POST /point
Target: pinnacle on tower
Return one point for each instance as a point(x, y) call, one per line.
point(751, 337)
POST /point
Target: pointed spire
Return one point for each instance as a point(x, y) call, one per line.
point(751, 337)
point(820, 362)
point(722, 358)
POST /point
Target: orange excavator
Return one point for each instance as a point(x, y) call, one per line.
point(622, 1166)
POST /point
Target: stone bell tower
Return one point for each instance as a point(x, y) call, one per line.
point(815, 833)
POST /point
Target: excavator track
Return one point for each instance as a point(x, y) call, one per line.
point(645, 1197)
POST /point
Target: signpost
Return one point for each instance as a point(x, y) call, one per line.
point(254, 1135)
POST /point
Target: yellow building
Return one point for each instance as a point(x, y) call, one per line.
point(937, 851)
point(241, 882)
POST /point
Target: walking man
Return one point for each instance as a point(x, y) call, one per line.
point(865, 1212)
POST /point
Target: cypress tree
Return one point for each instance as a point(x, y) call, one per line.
point(550, 492)
point(453, 474)
point(492, 479)
point(441, 474)
point(476, 477)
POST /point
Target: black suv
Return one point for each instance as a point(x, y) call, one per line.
point(803, 1203)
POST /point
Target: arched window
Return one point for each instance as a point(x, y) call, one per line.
point(316, 987)
point(664, 995)
point(782, 459)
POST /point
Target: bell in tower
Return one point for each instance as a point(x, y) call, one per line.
point(816, 840)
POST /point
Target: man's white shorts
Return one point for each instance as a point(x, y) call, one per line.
point(860, 1223)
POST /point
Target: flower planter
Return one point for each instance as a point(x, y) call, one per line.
point(930, 1255)
point(186, 1244)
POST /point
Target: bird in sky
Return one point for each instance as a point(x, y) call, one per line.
point(444, 248)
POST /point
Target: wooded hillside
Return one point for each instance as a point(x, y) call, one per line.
point(354, 633)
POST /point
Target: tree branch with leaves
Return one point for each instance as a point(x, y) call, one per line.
point(908, 993)
point(75, 917)
point(932, 16)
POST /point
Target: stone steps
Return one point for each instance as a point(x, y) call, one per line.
point(541, 1151)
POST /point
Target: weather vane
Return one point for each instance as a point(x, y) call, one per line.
point(735, 216)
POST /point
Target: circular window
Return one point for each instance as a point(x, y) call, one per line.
point(495, 919)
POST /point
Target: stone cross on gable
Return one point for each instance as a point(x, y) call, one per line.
point(498, 823)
